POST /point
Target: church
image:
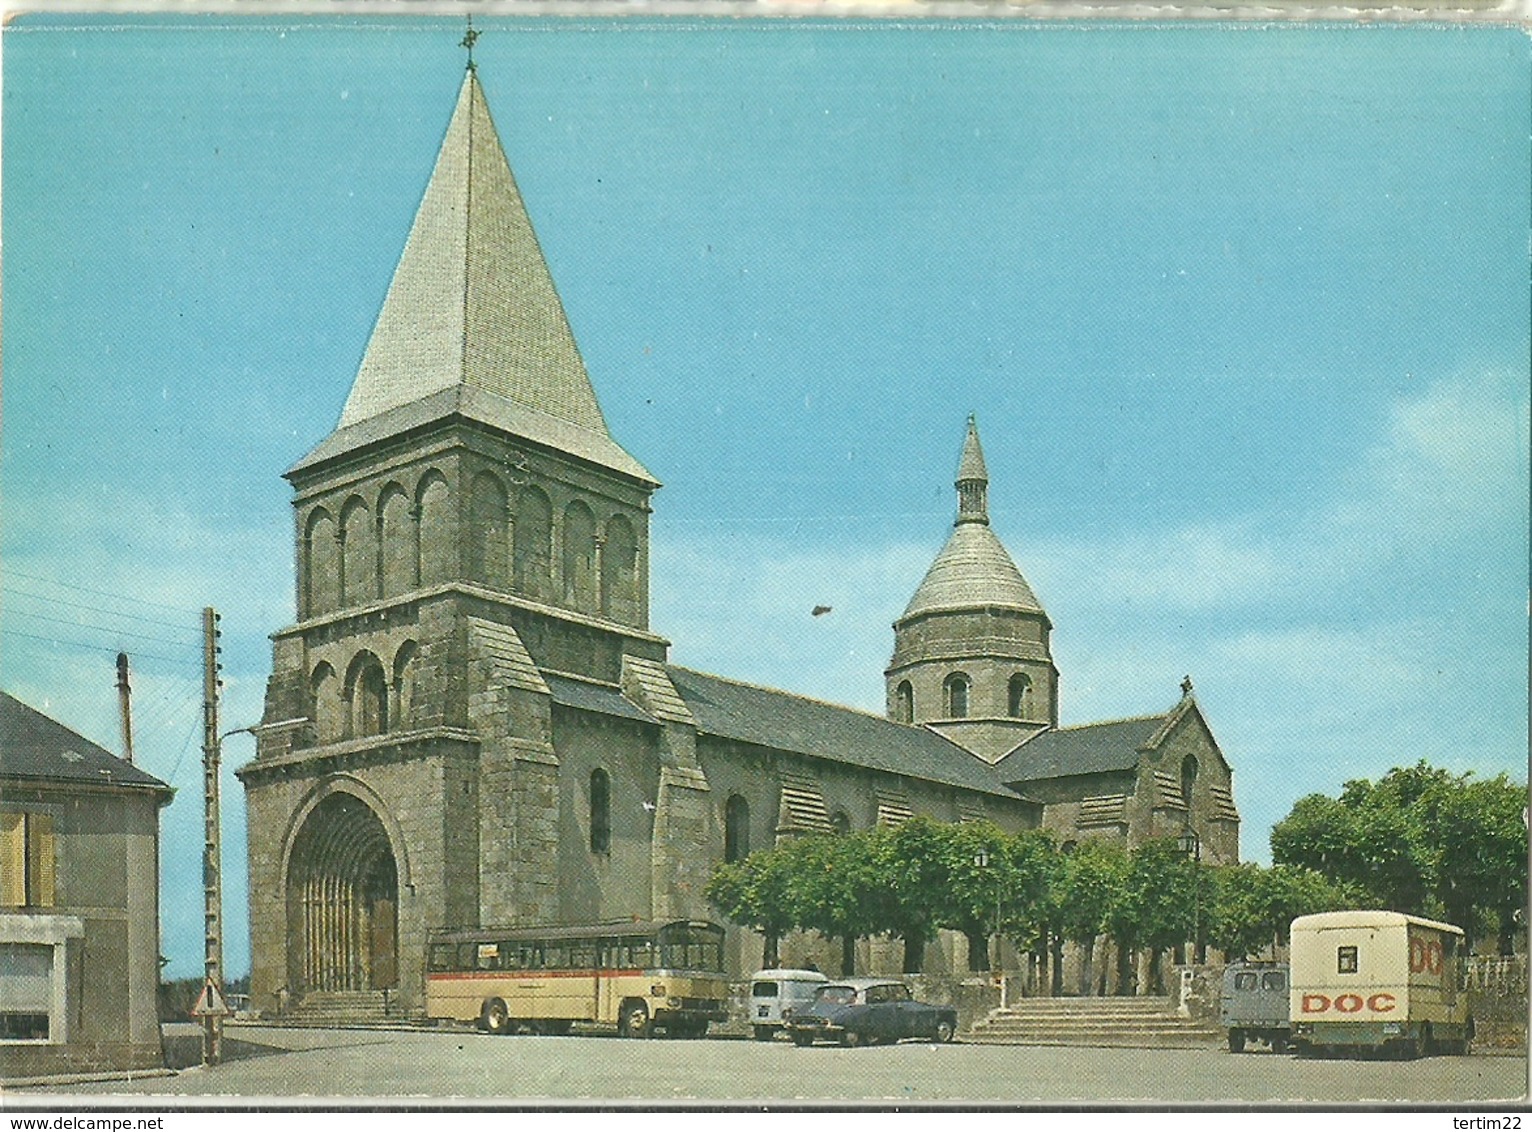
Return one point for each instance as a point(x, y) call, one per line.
point(472, 723)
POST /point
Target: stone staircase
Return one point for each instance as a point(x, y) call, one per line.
point(1137, 1023)
point(343, 1008)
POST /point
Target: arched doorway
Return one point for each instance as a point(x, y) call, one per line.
point(342, 901)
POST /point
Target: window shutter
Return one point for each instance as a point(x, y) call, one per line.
point(13, 859)
point(40, 859)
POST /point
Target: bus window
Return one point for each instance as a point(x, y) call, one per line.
point(442, 956)
point(510, 957)
point(555, 956)
point(488, 957)
point(465, 956)
point(530, 957)
point(582, 954)
point(641, 952)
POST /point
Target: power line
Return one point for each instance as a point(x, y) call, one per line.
point(102, 593)
point(91, 608)
point(7, 632)
point(101, 628)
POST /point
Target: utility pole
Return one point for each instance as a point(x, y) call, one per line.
point(212, 993)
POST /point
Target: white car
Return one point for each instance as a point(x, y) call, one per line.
point(775, 994)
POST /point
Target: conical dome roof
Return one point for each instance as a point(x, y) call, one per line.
point(972, 571)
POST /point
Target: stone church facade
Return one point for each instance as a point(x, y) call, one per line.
point(471, 722)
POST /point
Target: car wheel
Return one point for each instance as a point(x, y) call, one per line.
point(633, 1020)
point(851, 1038)
point(765, 1033)
point(803, 1039)
point(1236, 1041)
point(944, 1031)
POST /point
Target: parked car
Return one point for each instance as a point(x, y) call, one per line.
point(865, 1011)
point(778, 993)
point(1254, 1005)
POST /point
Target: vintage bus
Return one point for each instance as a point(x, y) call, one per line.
point(641, 977)
point(1378, 980)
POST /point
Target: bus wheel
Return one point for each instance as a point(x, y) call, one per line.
point(1236, 1041)
point(633, 1020)
point(495, 1018)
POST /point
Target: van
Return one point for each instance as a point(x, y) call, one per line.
point(1253, 1006)
point(1378, 981)
point(776, 994)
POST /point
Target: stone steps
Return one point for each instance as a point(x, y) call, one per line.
point(1141, 1023)
point(343, 1008)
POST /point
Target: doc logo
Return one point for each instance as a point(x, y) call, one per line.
point(1380, 1003)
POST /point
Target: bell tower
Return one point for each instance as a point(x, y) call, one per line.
point(971, 650)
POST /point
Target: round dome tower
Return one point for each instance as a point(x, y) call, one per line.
point(971, 653)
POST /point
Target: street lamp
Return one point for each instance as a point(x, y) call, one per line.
point(1190, 846)
point(981, 861)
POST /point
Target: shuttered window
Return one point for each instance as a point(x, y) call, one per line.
point(26, 860)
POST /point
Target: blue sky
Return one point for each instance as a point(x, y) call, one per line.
point(1243, 314)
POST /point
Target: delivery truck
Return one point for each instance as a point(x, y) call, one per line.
point(1377, 981)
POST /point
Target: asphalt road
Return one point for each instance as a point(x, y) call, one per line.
point(402, 1066)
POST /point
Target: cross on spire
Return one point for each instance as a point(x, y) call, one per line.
point(469, 39)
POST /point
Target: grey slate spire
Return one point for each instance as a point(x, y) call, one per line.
point(972, 479)
point(472, 323)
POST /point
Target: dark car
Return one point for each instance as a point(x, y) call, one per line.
point(858, 1012)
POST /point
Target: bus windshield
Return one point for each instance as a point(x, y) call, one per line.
point(691, 947)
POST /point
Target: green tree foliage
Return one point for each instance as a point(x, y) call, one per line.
point(1251, 907)
point(1419, 840)
point(1156, 907)
point(1089, 886)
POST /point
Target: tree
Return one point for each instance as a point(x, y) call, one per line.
point(834, 889)
point(1155, 908)
point(1252, 907)
point(1088, 887)
point(1419, 840)
point(979, 874)
point(757, 893)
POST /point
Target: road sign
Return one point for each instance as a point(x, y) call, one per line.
point(210, 1003)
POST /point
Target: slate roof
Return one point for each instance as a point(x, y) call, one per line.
point(770, 718)
point(472, 308)
point(37, 748)
point(599, 698)
point(1092, 748)
point(972, 571)
point(971, 462)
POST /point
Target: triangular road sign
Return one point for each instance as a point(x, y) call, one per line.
point(210, 1003)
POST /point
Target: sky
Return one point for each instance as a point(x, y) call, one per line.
point(1242, 313)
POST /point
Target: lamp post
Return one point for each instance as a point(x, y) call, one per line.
point(1191, 847)
point(981, 861)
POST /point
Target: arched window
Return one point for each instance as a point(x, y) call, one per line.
point(955, 689)
point(325, 706)
point(1019, 698)
point(736, 828)
point(840, 821)
point(358, 560)
point(404, 683)
point(600, 812)
point(533, 544)
point(619, 571)
point(323, 564)
point(488, 547)
point(579, 557)
point(367, 693)
point(434, 530)
point(1188, 779)
point(396, 542)
point(904, 702)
